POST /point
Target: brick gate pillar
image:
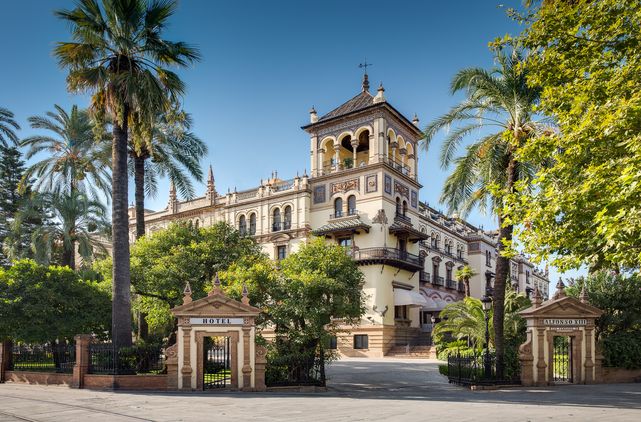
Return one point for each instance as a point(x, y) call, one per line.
point(81, 367)
point(6, 348)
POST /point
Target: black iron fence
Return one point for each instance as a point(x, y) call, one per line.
point(104, 358)
point(43, 357)
point(294, 369)
point(478, 369)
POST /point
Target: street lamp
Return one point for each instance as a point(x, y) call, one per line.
point(487, 305)
point(433, 319)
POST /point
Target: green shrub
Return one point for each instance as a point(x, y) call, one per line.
point(622, 349)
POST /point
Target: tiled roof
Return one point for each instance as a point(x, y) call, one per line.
point(342, 225)
point(359, 102)
point(413, 234)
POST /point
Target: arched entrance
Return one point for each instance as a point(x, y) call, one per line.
point(560, 346)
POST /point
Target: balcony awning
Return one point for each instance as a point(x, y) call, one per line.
point(404, 297)
point(350, 225)
point(412, 234)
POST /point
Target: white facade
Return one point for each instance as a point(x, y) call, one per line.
point(363, 193)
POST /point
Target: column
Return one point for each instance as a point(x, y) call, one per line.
point(541, 375)
point(321, 162)
point(247, 369)
point(81, 367)
point(589, 363)
point(186, 369)
point(354, 151)
point(337, 148)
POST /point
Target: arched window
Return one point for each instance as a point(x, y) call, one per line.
point(438, 241)
point(398, 206)
point(433, 240)
point(338, 207)
point(404, 208)
point(197, 224)
point(242, 225)
point(288, 218)
point(488, 258)
point(351, 205)
point(252, 224)
point(276, 226)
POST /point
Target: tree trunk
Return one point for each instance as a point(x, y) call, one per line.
point(502, 272)
point(466, 282)
point(121, 306)
point(139, 179)
point(69, 256)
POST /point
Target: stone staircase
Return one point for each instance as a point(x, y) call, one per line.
point(417, 352)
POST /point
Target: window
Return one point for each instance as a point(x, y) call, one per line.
point(402, 245)
point(459, 252)
point(448, 273)
point(404, 208)
point(488, 258)
point(281, 251)
point(398, 205)
point(361, 341)
point(527, 276)
point(400, 312)
point(332, 343)
point(242, 225)
point(345, 242)
point(276, 225)
point(433, 240)
point(252, 224)
point(438, 242)
point(288, 218)
point(338, 207)
point(351, 205)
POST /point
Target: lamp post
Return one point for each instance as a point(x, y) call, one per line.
point(433, 320)
point(487, 305)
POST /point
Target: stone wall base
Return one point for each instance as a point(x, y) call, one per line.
point(125, 382)
point(619, 375)
point(41, 378)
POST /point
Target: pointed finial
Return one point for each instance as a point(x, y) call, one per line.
point(380, 87)
point(560, 289)
point(583, 297)
point(313, 116)
point(380, 97)
point(245, 299)
point(536, 298)
point(187, 294)
point(415, 120)
point(216, 286)
point(365, 83)
point(210, 176)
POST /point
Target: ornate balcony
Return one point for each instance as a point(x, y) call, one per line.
point(349, 213)
point(438, 281)
point(424, 277)
point(389, 256)
point(450, 284)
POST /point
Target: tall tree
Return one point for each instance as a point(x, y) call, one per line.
point(16, 230)
point(79, 223)
point(8, 126)
point(464, 275)
point(498, 103)
point(74, 161)
point(118, 54)
point(169, 149)
point(585, 208)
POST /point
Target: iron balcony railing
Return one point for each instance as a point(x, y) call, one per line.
point(424, 277)
point(392, 256)
point(450, 284)
point(438, 280)
point(400, 167)
point(400, 217)
point(340, 214)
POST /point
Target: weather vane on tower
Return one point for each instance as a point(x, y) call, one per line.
point(364, 65)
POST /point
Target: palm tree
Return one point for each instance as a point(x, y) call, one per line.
point(169, 150)
point(499, 102)
point(7, 127)
point(465, 274)
point(78, 223)
point(74, 161)
point(119, 56)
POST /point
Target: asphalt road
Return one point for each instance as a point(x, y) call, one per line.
point(360, 390)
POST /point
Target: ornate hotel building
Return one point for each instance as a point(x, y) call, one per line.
point(363, 193)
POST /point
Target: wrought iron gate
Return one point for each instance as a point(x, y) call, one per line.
point(562, 360)
point(216, 362)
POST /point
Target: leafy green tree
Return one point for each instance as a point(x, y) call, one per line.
point(44, 303)
point(169, 149)
point(163, 262)
point(465, 274)
point(499, 102)
point(585, 208)
point(8, 126)
point(119, 56)
point(618, 330)
point(313, 292)
point(15, 237)
point(74, 161)
point(79, 223)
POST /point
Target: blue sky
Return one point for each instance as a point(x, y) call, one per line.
point(265, 63)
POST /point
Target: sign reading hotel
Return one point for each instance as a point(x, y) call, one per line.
point(215, 321)
point(565, 322)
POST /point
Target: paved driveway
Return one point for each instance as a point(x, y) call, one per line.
point(360, 390)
